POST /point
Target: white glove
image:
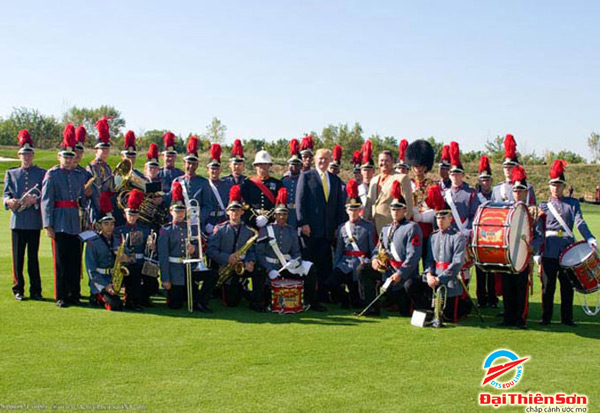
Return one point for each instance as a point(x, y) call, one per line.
point(416, 215)
point(537, 259)
point(386, 284)
point(261, 221)
point(593, 243)
point(273, 274)
point(209, 228)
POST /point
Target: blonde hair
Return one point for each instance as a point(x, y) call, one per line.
point(324, 151)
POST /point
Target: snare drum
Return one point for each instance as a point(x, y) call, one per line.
point(287, 296)
point(501, 235)
point(581, 264)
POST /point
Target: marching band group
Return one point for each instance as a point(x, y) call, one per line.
point(237, 237)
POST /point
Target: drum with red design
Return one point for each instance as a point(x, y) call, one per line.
point(581, 264)
point(502, 234)
point(287, 296)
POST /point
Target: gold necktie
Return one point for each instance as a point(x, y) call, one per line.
point(325, 186)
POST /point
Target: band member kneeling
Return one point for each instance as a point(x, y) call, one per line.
point(278, 252)
point(174, 246)
point(396, 256)
point(231, 247)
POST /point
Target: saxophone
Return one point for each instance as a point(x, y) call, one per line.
point(228, 270)
point(119, 271)
point(439, 304)
point(383, 258)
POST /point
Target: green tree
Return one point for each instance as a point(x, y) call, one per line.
point(88, 118)
point(495, 149)
point(594, 145)
point(215, 131)
point(46, 131)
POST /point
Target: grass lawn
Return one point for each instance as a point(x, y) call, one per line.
point(237, 360)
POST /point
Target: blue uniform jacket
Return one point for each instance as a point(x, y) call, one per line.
point(290, 182)
point(287, 240)
point(363, 233)
point(221, 243)
point(62, 184)
point(17, 181)
point(100, 257)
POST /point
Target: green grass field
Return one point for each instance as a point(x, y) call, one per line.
point(237, 360)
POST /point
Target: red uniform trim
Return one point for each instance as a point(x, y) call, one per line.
point(396, 264)
point(54, 265)
point(355, 253)
point(441, 265)
point(263, 188)
point(65, 204)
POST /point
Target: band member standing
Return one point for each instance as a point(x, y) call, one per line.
point(259, 191)
point(514, 286)
point(91, 208)
point(562, 213)
point(62, 190)
point(402, 243)
point(336, 163)
point(237, 163)
point(356, 238)
point(100, 259)
point(228, 238)
point(486, 285)
point(152, 166)
point(290, 181)
point(22, 187)
point(419, 155)
point(461, 199)
point(503, 191)
point(367, 170)
point(320, 210)
point(219, 193)
point(169, 172)
point(130, 152)
point(135, 234)
point(100, 170)
point(306, 152)
point(356, 162)
point(402, 166)
point(444, 168)
point(278, 253)
point(173, 246)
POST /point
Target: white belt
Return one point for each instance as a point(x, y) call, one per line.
point(216, 213)
point(176, 260)
point(559, 233)
point(105, 271)
point(276, 260)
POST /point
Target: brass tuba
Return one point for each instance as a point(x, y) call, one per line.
point(119, 271)
point(228, 270)
point(125, 179)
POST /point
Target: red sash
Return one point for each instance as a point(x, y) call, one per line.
point(441, 265)
point(353, 253)
point(396, 264)
point(65, 204)
point(263, 188)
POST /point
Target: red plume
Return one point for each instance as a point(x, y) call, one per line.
point(24, 137)
point(518, 173)
point(396, 190)
point(235, 194)
point(103, 129)
point(454, 154)
point(129, 139)
point(402, 149)
point(510, 147)
point(367, 150)
point(237, 149)
point(69, 136)
point(307, 142)
point(105, 203)
point(356, 157)
point(80, 135)
point(169, 139)
point(445, 157)
point(337, 153)
point(136, 197)
point(435, 199)
point(484, 164)
point(176, 191)
point(282, 196)
point(192, 145)
point(215, 151)
point(152, 152)
point(558, 168)
point(294, 147)
point(352, 189)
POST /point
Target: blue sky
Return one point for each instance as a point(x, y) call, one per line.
point(275, 69)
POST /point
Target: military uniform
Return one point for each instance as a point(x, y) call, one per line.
point(25, 227)
point(99, 261)
point(486, 281)
point(138, 287)
point(466, 202)
point(557, 240)
point(92, 208)
point(225, 241)
point(198, 189)
point(231, 180)
point(287, 240)
point(352, 249)
point(167, 176)
point(290, 182)
point(216, 208)
point(503, 193)
point(445, 184)
point(62, 190)
point(256, 198)
point(171, 246)
point(403, 243)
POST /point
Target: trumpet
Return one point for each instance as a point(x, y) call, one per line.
point(228, 270)
point(34, 192)
point(438, 303)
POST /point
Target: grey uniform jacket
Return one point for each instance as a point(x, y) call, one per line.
point(466, 202)
point(172, 244)
point(506, 195)
point(226, 240)
point(445, 257)
point(287, 240)
point(62, 185)
point(365, 237)
point(99, 260)
point(17, 181)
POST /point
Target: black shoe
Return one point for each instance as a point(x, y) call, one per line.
point(258, 308)
point(202, 308)
point(62, 304)
point(569, 323)
point(522, 326)
point(37, 297)
point(318, 308)
point(545, 322)
point(133, 307)
point(146, 304)
point(19, 297)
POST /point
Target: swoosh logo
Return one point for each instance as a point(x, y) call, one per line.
point(500, 369)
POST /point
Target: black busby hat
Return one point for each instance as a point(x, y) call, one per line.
point(420, 153)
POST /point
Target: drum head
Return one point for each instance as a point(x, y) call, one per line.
point(519, 237)
point(575, 255)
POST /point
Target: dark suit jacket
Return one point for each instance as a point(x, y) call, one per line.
point(323, 217)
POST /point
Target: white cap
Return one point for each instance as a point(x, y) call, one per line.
point(262, 157)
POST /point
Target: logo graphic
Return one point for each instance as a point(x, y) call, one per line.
point(493, 372)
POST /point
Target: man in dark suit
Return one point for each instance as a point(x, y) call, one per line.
point(320, 211)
